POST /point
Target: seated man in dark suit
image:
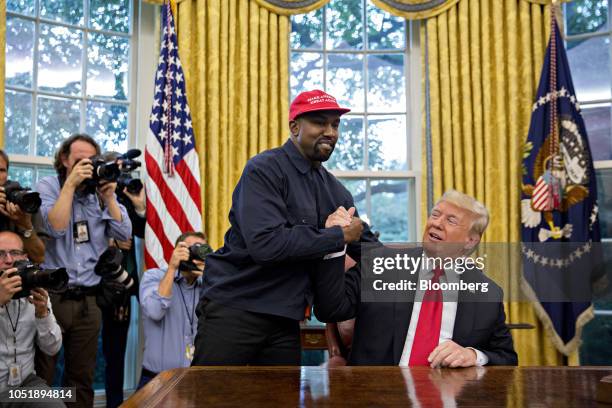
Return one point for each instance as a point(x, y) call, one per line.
point(426, 329)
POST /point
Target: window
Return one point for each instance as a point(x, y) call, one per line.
point(589, 49)
point(66, 72)
point(362, 56)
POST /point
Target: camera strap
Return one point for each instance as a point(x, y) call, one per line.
point(14, 326)
point(191, 316)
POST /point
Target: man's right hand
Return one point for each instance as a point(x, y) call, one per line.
point(81, 171)
point(9, 285)
point(352, 232)
point(341, 217)
point(180, 253)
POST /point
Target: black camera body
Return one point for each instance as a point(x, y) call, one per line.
point(28, 200)
point(114, 288)
point(104, 171)
point(196, 252)
point(110, 268)
point(33, 276)
point(128, 165)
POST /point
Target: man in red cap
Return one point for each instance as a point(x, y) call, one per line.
point(259, 284)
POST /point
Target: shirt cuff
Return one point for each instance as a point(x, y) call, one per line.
point(481, 358)
point(45, 324)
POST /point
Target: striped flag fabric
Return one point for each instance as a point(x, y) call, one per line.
point(171, 160)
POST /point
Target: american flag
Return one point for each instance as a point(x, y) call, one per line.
point(173, 172)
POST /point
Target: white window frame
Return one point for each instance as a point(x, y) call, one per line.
point(83, 98)
point(412, 75)
point(598, 164)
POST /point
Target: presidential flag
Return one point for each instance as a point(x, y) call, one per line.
point(173, 172)
point(559, 204)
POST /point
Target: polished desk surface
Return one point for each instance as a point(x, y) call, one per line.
point(372, 386)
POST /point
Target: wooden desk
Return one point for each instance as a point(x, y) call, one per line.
point(371, 386)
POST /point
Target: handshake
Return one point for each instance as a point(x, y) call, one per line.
point(351, 226)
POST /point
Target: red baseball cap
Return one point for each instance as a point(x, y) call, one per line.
point(316, 100)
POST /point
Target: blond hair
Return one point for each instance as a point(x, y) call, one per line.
point(469, 203)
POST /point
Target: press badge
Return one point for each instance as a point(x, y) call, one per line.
point(81, 232)
point(189, 350)
point(14, 375)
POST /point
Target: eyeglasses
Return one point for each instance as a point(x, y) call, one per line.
point(14, 253)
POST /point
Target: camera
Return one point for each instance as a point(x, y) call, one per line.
point(196, 252)
point(103, 171)
point(29, 201)
point(33, 276)
point(109, 268)
point(128, 165)
point(125, 181)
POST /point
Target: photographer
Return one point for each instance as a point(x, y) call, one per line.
point(13, 218)
point(80, 213)
point(23, 322)
point(168, 299)
point(116, 319)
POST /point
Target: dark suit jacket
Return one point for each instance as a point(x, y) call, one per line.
point(381, 327)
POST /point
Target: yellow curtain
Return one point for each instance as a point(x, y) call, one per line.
point(2, 59)
point(415, 9)
point(483, 60)
point(235, 54)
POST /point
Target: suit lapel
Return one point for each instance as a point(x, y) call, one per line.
point(402, 312)
point(465, 317)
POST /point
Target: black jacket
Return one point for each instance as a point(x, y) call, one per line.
point(381, 327)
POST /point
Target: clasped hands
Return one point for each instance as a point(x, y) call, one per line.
point(351, 226)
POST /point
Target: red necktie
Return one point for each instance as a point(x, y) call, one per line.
point(427, 333)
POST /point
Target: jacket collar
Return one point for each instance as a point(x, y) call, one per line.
point(302, 164)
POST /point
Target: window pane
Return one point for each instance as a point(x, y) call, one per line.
point(345, 80)
point(597, 337)
point(17, 122)
point(23, 174)
point(386, 87)
point(384, 30)
point(344, 24)
point(348, 154)
point(604, 201)
point(108, 125)
point(307, 30)
point(387, 142)
point(107, 72)
point(110, 15)
point(590, 65)
point(586, 16)
point(66, 11)
point(19, 51)
point(390, 209)
point(57, 119)
point(59, 68)
point(21, 6)
point(598, 122)
point(358, 191)
point(306, 72)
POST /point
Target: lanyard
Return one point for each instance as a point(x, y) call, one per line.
point(14, 327)
point(191, 316)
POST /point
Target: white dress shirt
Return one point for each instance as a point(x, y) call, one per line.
point(45, 332)
point(449, 312)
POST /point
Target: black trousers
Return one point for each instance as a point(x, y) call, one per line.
point(228, 336)
point(114, 344)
